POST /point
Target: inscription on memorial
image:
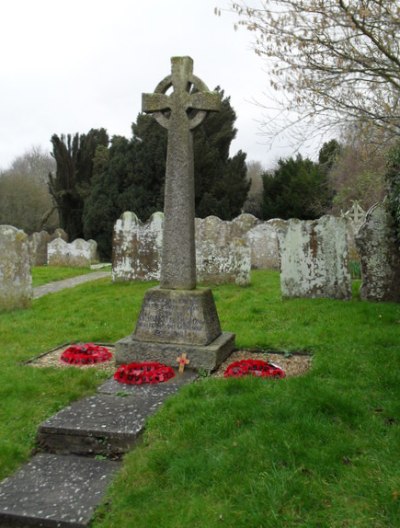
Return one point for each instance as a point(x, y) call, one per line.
point(173, 317)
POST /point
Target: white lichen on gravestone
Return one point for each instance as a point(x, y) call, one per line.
point(38, 243)
point(220, 257)
point(15, 269)
point(380, 256)
point(79, 253)
point(264, 244)
point(137, 247)
point(240, 225)
point(314, 259)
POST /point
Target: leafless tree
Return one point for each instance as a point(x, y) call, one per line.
point(335, 61)
point(25, 201)
point(359, 171)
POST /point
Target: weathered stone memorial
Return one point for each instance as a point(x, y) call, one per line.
point(15, 269)
point(380, 256)
point(264, 244)
point(38, 243)
point(242, 224)
point(177, 317)
point(137, 248)
point(79, 253)
point(222, 255)
point(314, 259)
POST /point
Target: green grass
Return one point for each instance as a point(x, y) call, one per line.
point(44, 274)
point(317, 451)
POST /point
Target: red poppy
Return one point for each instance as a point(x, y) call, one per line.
point(85, 354)
point(253, 367)
point(146, 372)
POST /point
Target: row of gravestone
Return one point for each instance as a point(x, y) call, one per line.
point(54, 250)
point(312, 255)
point(227, 250)
point(221, 253)
point(18, 253)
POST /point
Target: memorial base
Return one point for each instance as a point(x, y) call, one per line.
point(207, 357)
point(172, 322)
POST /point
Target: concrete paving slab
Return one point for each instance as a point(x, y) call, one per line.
point(110, 422)
point(54, 491)
point(101, 424)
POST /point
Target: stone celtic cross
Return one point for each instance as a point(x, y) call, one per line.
point(180, 112)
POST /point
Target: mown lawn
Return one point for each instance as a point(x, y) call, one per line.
point(321, 450)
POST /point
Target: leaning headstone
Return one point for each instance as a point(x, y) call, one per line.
point(220, 257)
point(380, 256)
point(137, 248)
point(264, 245)
point(15, 269)
point(38, 247)
point(177, 317)
point(314, 259)
point(79, 253)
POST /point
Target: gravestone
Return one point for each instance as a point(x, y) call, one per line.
point(137, 248)
point(38, 243)
point(38, 247)
point(79, 253)
point(222, 257)
point(242, 224)
point(380, 256)
point(15, 269)
point(354, 217)
point(314, 259)
point(264, 244)
point(177, 317)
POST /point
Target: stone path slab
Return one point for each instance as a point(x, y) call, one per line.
point(55, 491)
point(53, 287)
point(102, 424)
point(62, 490)
point(108, 423)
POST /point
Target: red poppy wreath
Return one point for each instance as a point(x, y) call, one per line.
point(253, 367)
point(141, 373)
point(85, 354)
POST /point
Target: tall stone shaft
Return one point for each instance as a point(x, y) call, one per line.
point(180, 112)
point(178, 268)
point(177, 318)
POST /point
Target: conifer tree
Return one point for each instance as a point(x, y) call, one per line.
point(71, 184)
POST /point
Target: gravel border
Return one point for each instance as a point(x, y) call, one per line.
point(293, 365)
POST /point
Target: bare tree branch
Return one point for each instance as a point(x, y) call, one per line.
point(336, 61)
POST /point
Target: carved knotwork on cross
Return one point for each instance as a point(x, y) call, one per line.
point(180, 112)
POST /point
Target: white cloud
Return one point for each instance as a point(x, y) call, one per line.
point(68, 66)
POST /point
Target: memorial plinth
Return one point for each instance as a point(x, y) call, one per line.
point(177, 318)
point(172, 322)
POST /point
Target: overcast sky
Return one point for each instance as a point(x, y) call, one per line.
point(69, 66)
